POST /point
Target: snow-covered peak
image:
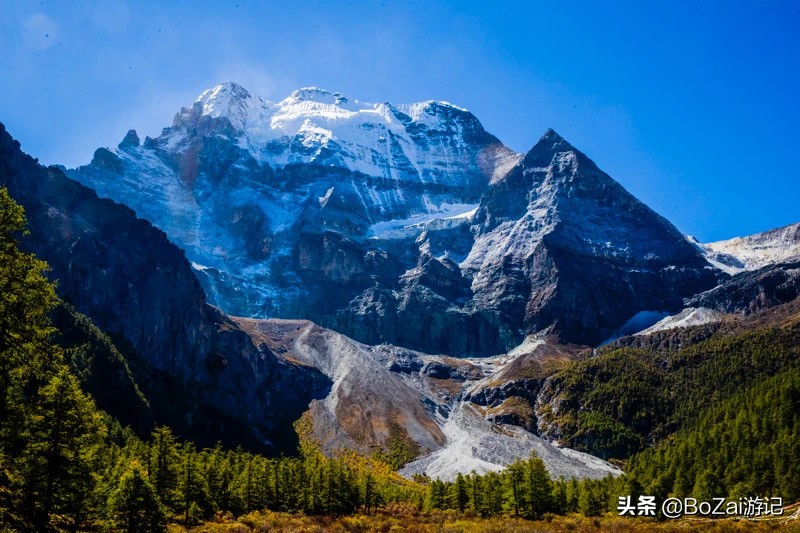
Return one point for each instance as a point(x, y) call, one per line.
point(432, 141)
point(755, 251)
point(224, 92)
point(227, 99)
point(231, 100)
point(315, 94)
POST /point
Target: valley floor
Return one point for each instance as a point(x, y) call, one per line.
point(403, 519)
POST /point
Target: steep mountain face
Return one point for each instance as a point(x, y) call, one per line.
point(752, 291)
point(403, 224)
point(366, 398)
point(561, 239)
point(200, 372)
point(276, 203)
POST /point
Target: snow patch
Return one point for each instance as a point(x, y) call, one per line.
point(415, 224)
point(323, 200)
point(530, 343)
point(638, 322)
point(691, 316)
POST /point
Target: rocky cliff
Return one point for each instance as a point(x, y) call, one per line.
point(562, 240)
point(754, 252)
point(407, 224)
point(201, 373)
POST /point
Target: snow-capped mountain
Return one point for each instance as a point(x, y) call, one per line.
point(407, 224)
point(755, 251)
point(432, 142)
point(240, 183)
point(561, 239)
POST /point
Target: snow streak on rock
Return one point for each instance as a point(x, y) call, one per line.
point(755, 251)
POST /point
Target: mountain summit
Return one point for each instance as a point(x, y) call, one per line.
point(425, 142)
point(408, 224)
point(560, 238)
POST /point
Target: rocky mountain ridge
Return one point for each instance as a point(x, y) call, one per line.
point(398, 224)
point(753, 252)
point(385, 393)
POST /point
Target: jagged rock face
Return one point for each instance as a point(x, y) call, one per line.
point(366, 398)
point(201, 373)
point(283, 207)
point(752, 291)
point(560, 239)
point(385, 392)
point(403, 224)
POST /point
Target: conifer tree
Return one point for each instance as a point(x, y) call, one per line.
point(134, 505)
point(560, 497)
point(164, 467)
point(63, 433)
point(539, 487)
point(514, 495)
point(460, 496)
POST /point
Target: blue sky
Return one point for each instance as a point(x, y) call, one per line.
point(692, 106)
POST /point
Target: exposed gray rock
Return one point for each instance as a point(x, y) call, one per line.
point(752, 291)
point(403, 224)
point(131, 140)
point(560, 244)
point(754, 252)
point(202, 374)
point(405, 365)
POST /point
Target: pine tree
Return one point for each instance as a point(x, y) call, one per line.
point(437, 494)
point(165, 467)
point(539, 487)
point(573, 495)
point(63, 434)
point(591, 501)
point(27, 359)
point(514, 496)
point(135, 506)
point(26, 299)
point(560, 497)
point(460, 496)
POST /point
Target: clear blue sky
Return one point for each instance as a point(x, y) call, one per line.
point(692, 106)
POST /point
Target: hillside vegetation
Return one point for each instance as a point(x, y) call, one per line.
point(626, 399)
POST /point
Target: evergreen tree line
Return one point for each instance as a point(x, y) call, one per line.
point(525, 489)
point(747, 445)
point(625, 400)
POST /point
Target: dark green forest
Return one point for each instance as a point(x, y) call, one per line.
point(627, 399)
point(720, 418)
